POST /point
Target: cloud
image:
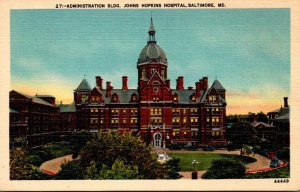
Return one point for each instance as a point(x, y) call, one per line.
point(264, 97)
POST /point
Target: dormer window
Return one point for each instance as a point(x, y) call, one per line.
point(115, 98)
point(193, 98)
point(175, 98)
point(133, 97)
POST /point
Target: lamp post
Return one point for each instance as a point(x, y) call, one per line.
point(194, 173)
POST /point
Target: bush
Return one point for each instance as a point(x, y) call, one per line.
point(225, 169)
point(70, 170)
point(283, 154)
point(36, 174)
point(35, 160)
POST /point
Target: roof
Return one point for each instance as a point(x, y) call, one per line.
point(184, 95)
point(35, 99)
point(217, 86)
point(256, 124)
point(12, 110)
point(284, 117)
point(48, 96)
point(152, 51)
point(67, 108)
point(124, 95)
point(84, 86)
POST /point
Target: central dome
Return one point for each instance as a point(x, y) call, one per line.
point(152, 51)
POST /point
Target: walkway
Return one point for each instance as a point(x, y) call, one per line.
point(260, 163)
point(52, 166)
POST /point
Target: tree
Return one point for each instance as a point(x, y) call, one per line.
point(172, 168)
point(70, 170)
point(79, 140)
point(20, 168)
point(240, 135)
point(225, 169)
point(106, 148)
point(120, 171)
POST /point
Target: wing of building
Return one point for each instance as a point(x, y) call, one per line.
point(161, 115)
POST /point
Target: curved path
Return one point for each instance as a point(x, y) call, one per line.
point(260, 164)
point(52, 166)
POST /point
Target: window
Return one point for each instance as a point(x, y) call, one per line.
point(163, 74)
point(153, 70)
point(193, 98)
point(143, 73)
point(207, 119)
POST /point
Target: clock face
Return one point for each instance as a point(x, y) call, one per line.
point(155, 89)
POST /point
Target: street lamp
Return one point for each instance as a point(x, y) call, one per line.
point(194, 162)
point(194, 173)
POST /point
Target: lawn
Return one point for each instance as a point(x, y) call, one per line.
point(204, 159)
point(59, 149)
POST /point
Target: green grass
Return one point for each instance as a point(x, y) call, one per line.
point(59, 149)
point(204, 159)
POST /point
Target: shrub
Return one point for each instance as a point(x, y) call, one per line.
point(70, 170)
point(225, 169)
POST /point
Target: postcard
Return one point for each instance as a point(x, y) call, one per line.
point(150, 96)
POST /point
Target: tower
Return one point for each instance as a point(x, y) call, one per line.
point(154, 91)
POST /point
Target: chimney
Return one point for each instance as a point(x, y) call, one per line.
point(201, 84)
point(168, 83)
point(179, 81)
point(99, 82)
point(108, 89)
point(124, 83)
point(205, 83)
point(285, 99)
point(197, 88)
point(190, 88)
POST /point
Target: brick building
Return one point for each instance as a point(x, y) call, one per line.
point(161, 115)
point(36, 120)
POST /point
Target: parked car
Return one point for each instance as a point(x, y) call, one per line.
point(208, 148)
point(275, 162)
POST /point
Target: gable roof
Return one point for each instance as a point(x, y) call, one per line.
point(256, 124)
point(217, 86)
point(84, 86)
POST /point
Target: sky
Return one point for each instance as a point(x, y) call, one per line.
point(247, 50)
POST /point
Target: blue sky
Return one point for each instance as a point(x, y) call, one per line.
point(247, 50)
